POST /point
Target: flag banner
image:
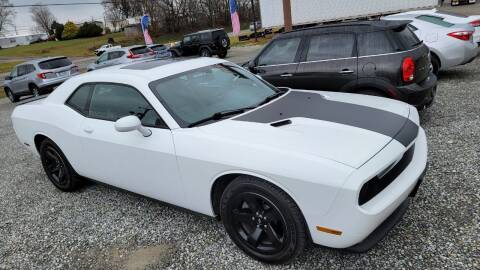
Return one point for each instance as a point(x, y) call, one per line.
point(235, 18)
point(145, 21)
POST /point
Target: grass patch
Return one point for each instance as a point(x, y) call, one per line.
point(78, 47)
point(8, 66)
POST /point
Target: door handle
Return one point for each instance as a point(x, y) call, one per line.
point(346, 71)
point(286, 75)
point(88, 130)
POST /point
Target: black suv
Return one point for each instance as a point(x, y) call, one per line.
point(204, 43)
point(382, 58)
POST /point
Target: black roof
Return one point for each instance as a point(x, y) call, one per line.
point(205, 31)
point(353, 26)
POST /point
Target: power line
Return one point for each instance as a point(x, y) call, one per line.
point(54, 4)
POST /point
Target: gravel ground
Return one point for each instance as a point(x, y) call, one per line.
point(103, 228)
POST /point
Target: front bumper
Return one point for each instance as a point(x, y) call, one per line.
point(422, 94)
point(357, 222)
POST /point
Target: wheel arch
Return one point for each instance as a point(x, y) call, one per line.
point(376, 84)
point(205, 47)
point(434, 54)
point(38, 139)
point(31, 85)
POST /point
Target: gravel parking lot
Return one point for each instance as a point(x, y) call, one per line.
point(103, 228)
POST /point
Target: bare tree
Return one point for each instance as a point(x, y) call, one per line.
point(113, 15)
point(43, 18)
point(6, 14)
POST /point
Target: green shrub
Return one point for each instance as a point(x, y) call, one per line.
point(70, 31)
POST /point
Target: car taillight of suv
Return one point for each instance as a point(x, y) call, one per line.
point(408, 69)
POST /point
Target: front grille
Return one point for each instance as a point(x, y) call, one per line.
point(374, 186)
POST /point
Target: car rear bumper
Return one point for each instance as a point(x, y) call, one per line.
point(362, 226)
point(422, 94)
point(52, 83)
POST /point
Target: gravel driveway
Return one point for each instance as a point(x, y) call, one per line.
point(103, 228)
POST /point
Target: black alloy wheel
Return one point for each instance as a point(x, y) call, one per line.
point(57, 167)
point(262, 220)
point(205, 52)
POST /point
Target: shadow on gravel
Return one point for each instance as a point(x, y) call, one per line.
point(456, 74)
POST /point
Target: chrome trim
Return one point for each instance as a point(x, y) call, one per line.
point(383, 54)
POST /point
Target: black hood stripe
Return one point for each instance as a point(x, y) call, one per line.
point(314, 106)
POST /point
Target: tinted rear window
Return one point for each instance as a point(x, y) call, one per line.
point(331, 46)
point(435, 20)
point(140, 50)
point(55, 63)
point(451, 14)
point(374, 43)
point(407, 38)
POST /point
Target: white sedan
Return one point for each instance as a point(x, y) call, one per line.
point(279, 167)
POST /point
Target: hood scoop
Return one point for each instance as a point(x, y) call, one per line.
point(281, 123)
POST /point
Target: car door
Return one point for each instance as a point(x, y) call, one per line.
point(128, 160)
point(20, 82)
point(114, 58)
point(102, 61)
point(187, 45)
point(278, 62)
point(329, 63)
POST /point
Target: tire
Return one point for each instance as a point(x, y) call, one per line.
point(222, 54)
point(13, 98)
point(205, 52)
point(262, 220)
point(375, 93)
point(57, 167)
point(224, 42)
point(34, 90)
point(435, 65)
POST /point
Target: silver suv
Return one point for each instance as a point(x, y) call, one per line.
point(117, 56)
point(38, 76)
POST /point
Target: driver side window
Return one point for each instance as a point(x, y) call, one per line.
point(103, 58)
point(110, 102)
point(282, 51)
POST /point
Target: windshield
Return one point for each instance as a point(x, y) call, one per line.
point(200, 93)
point(55, 63)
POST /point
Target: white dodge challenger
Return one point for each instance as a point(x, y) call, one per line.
point(279, 167)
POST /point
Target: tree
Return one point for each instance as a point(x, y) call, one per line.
point(89, 29)
point(70, 31)
point(6, 14)
point(57, 30)
point(43, 18)
point(113, 15)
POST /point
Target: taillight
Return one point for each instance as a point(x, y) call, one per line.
point(45, 75)
point(462, 35)
point(408, 69)
point(475, 23)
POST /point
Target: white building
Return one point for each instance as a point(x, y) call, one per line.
point(13, 41)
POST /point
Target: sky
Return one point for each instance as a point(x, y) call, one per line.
point(77, 13)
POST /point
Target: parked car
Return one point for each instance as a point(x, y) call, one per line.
point(38, 76)
point(462, 2)
point(161, 50)
point(204, 43)
point(104, 48)
point(379, 58)
point(450, 44)
point(119, 56)
point(279, 167)
point(452, 17)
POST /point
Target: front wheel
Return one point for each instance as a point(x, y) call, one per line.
point(263, 220)
point(205, 52)
point(13, 98)
point(57, 167)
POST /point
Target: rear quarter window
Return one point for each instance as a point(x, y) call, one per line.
point(374, 43)
point(407, 38)
point(55, 63)
point(434, 20)
point(140, 50)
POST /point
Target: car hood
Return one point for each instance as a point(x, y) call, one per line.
point(346, 128)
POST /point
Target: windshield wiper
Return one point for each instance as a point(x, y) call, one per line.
point(272, 97)
point(220, 115)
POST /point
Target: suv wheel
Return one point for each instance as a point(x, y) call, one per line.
point(205, 52)
point(376, 93)
point(13, 98)
point(263, 220)
point(222, 54)
point(224, 42)
point(34, 90)
point(435, 65)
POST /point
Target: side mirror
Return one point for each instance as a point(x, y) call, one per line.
point(131, 123)
point(8, 78)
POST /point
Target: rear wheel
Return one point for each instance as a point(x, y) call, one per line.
point(222, 54)
point(205, 52)
point(13, 98)
point(263, 220)
point(57, 167)
point(34, 90)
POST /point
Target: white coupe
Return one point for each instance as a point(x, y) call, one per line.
point(279, 167)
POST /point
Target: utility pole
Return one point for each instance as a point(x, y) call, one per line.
point(287, 15)
point(254, 21)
